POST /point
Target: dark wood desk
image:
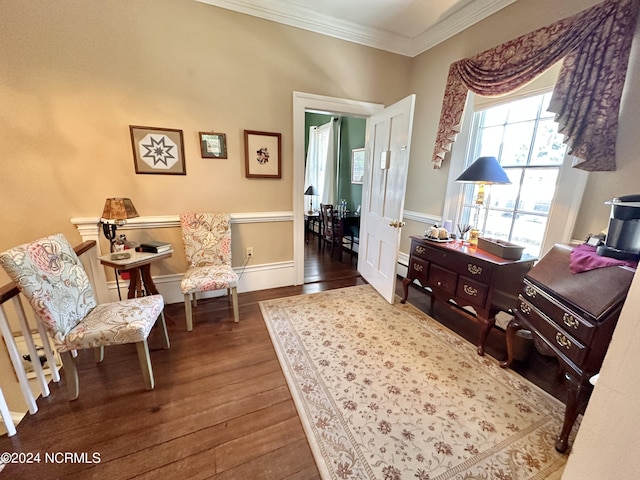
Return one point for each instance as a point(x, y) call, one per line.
point(139, 268)
point(468, 276)
point(572, 317)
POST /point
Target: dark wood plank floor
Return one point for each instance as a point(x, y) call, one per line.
point(221, 408)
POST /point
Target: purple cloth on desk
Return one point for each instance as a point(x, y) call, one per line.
point(584, 258)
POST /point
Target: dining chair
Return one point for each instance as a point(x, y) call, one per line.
point(207, 247)
point(50, 275)
point(331, 229)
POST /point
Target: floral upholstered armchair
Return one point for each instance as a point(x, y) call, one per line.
point(49, 273)
point(207, 247)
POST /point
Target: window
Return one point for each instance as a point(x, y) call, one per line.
point(317, 158)
point(523, 136)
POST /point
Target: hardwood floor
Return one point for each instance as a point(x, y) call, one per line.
point(221, 408)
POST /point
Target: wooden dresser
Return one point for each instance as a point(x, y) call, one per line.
point(468, 276)
point(573, 317)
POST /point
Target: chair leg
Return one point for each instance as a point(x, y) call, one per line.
point(187, 311)
point(70, 374)
point(145, 364)
point(165, 334)
point(234, 299)
point(99, 354)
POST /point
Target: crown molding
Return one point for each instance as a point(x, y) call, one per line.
point(287, 13)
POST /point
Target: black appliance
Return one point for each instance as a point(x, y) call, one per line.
point(623, 234)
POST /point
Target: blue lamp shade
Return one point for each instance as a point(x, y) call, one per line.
point(484, 170)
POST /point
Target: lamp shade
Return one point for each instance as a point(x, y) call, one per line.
point(484, 170)
point(310, 190)
point(119, 209)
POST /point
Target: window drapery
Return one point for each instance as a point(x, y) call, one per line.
point(322, 158)
point(595, 46)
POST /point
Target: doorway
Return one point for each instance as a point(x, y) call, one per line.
point(303, 103)
point(344, 183)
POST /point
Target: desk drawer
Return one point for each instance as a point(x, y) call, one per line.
point(568, 320)
point(560, 339)
point(418, 269)
point(442, 279)
point(473, 292)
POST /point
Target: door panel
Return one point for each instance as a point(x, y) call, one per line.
point(387, 148)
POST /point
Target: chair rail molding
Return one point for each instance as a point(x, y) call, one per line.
point(256, 277)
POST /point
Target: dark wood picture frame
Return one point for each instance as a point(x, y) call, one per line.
point(158, 150)
point(260, 148)
point(213, 145)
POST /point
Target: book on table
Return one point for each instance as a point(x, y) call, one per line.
point(153, 246)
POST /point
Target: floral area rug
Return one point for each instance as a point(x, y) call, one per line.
point(386, 392)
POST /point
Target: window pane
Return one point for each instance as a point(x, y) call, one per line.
point(537, 191)
point(490, 140)
point(517, 143)
point(525, 109)
point(528, 231)
point(496, 115)
point(498, 225)
point(548, 148)
point(504, 196)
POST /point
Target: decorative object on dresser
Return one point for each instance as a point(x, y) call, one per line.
point(115, 213)
point(469, 276)
point(484, 171)
point(572, 316)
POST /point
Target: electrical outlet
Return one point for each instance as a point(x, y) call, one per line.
point(248, 252)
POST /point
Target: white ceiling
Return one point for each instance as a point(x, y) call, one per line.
point(407, 27)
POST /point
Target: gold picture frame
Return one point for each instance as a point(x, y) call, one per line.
point(213, 145)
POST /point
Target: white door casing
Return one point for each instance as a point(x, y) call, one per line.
point(303, 102)
point(388, 142)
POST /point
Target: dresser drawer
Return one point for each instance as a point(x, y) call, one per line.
point(418, 269)
point(442, 279)
point(573, 323)
point(473, 292)
point(559, 338)
point(421, 251)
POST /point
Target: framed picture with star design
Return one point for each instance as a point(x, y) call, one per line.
point(158, 150)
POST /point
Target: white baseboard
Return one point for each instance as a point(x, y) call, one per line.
point(257, 277)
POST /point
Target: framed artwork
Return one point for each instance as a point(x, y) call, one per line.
point(213, 145)
point(357, 165)
point(262, 151)
point(158, 150)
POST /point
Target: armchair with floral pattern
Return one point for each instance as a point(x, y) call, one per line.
point(207, 247)
point(50, 275)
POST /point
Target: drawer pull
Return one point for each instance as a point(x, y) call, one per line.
point(563, 341)
point(474, 269)
point(524, 308)
point(421, 249)
point(439, 283)
point(472, 292)
point(570, 321)
point(530, 291)
point(417, 267)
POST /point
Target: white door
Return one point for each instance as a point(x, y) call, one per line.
point(387, 151)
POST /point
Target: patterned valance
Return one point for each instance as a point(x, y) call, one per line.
point(594, 45)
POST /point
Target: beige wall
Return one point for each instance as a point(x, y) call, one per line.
point(75, 74)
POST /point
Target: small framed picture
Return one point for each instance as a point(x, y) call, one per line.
point(213, 145)
point(158, 150)
point(357, 165)
point(262, 152)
